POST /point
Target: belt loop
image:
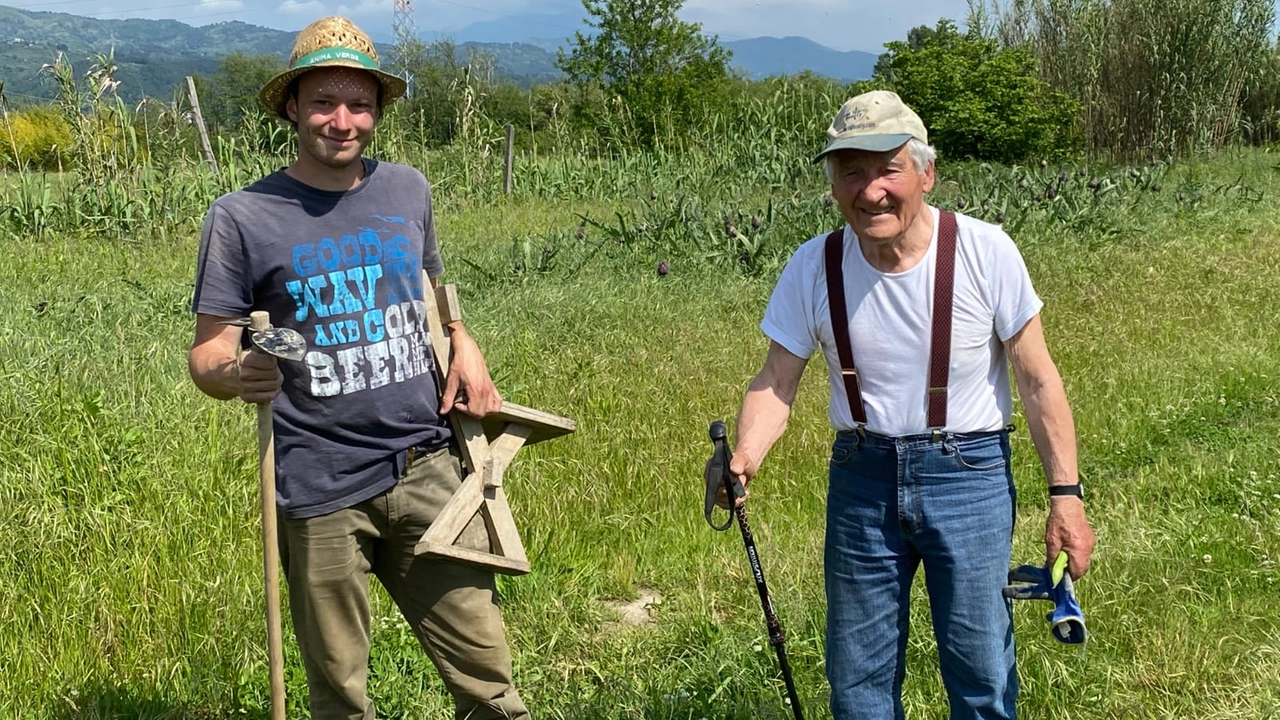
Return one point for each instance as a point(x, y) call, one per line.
point(410, 455)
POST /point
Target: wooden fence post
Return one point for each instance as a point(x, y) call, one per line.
point(204, 133)
point(509, 160)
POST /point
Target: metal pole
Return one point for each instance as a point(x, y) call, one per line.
point(733, 492)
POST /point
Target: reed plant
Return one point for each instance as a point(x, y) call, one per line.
point(1154, 77)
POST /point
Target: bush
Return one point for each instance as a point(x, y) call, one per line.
point(1155, 77)
point(979, 100)
point(41, 136)
point(1261, 102)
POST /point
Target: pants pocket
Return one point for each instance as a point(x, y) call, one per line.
point(844, 449)
point(981, 457)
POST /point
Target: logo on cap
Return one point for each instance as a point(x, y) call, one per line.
point(847, 122)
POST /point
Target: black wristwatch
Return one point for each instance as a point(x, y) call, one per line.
point(1076, 490)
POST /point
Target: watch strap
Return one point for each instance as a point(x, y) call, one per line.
point(1076, 490)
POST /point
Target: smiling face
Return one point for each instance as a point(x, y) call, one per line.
point(880, 194)
point(335, 110)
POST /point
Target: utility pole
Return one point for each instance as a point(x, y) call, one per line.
point(406, 38)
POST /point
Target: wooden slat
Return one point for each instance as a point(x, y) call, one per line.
point(502, 526)
point(470, 432)
point(545, 426)
point(488, 561)
point(439, 339)
point(456, 514)
point(502, 451)
point(447, 301)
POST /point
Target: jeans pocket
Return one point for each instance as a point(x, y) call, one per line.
point(981, 458)
point(843, 449)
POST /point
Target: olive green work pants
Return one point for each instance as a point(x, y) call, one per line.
point(452, 608)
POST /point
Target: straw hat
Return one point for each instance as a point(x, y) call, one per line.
point(329, 42)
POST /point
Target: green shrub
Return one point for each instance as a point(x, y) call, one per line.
point(979, 100)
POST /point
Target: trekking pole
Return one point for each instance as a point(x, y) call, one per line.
point(719, 475)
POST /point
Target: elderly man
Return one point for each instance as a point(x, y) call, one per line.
point(918, 314)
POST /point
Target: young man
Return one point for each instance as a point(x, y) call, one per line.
point(929, 311)
point(334, 246)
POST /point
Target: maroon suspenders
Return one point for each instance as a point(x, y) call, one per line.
point(840, 324)
point(940, 340)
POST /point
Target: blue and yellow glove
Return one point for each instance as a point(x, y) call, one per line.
point(1029, 582)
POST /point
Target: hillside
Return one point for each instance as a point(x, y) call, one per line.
point(153, 56)
point(765, 56)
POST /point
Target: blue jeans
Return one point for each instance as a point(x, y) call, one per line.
point(893, 503)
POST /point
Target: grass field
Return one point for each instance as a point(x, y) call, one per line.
point(128, 515)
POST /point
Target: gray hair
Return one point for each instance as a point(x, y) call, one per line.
point(922, 154)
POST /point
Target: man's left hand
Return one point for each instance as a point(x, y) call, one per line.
point(1068, 530)
point(468, 386)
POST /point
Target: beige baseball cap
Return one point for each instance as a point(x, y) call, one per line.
point(877, 121)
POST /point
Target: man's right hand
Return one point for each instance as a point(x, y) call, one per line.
point(742, 467)
point(260, 376)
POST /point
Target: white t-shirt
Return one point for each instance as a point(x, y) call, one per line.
point(890, 324)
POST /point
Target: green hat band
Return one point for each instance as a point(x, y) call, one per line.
point(326, 55)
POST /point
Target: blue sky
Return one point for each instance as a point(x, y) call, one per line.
point(840, 24)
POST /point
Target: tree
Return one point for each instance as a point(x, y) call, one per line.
point(979, 100)
point(917, 37)
point(233, 89)
point(663, 69)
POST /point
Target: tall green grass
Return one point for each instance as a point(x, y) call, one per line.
point(128, 519)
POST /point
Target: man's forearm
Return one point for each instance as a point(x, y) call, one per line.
point(765, 411)
point(1052, 428)
point(216, 374)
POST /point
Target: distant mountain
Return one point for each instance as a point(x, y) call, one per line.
point(171, 36)
point(759, 57)
point(766, 56)
point(153, 56)
point(540, 29)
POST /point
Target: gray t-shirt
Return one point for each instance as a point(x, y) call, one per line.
point(345, 270)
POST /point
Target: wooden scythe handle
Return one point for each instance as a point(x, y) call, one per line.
point(270, 550)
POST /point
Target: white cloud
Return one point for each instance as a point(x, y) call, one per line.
point(302, 7)
point(221, 5)
point(365, 7)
